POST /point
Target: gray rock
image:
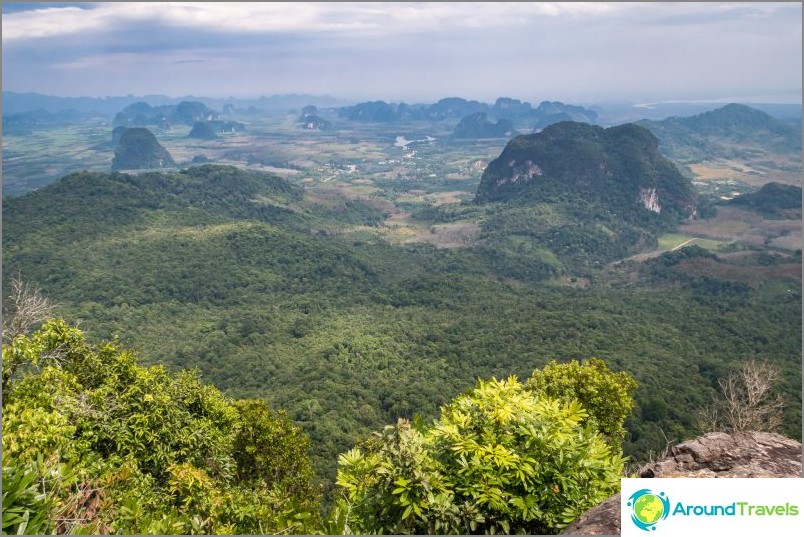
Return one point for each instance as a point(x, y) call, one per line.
point(751, 454)
point(713, 455)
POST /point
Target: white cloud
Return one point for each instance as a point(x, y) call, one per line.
point(658, 50)
point(340, 17)
point(266, 17)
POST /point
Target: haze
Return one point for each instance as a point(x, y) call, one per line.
point(412, 52)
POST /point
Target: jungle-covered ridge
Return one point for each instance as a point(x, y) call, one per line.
point(285, 295)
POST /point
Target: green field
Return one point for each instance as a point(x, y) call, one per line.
point(672, 241)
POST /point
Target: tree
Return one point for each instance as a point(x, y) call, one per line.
point(24, 308)
point(748, 401)
point(119, 447)
point(604, 394)
point(500, 459)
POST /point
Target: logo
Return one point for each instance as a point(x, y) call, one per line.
point(648, 508)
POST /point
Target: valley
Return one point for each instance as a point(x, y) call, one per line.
point(348, 276)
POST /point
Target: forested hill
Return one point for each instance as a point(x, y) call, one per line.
point(621, 166)
point(138, 149)
point(241, 275)
point(588, 195)
point(773, 200)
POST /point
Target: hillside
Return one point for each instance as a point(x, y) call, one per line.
point(619, 165)
point(583, 194)
point(734, 130)
point(773, 200)
point(236, 273)
point(138, 149)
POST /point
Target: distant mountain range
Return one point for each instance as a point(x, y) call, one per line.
point(722, 131)
point(32, 108)
point(504, 108)
point(19, 103)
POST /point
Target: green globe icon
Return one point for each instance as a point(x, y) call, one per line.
point(648, 509)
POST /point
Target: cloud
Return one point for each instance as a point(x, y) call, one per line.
point(529, 50)
point(268, 17)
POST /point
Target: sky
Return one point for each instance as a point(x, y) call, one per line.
point(408, 51)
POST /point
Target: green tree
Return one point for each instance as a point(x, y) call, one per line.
point(119, 447)
point(500, 459)
point(604, 394)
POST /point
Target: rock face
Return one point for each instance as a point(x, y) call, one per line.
point(621, 167)
point(713, 455)
point(139, 149)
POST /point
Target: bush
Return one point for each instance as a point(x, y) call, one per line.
point(501, 459)
point(133, 449)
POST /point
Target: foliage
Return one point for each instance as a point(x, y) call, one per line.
point(151, 451)
point(25, 506)
point(500, 459)
point(604, 394)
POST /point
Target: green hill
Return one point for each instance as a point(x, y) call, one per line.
point(773, 200)
point(586, 194)
point(621, 166)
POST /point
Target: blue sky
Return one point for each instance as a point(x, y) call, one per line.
point(410, 51)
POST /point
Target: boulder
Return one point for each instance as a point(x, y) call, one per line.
point(713, 455)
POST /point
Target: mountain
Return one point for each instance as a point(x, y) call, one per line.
point(202, 131)
point(139, 149)
point(314, 122)
point(15, 102)
point(579, 196)
point(141, 114)
point(375, 111)
point(478, 126)
point(453, 107)
point(620, 166)
point(725, 132)
point(310, 119)
point(550, 112)
point(514, 110)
